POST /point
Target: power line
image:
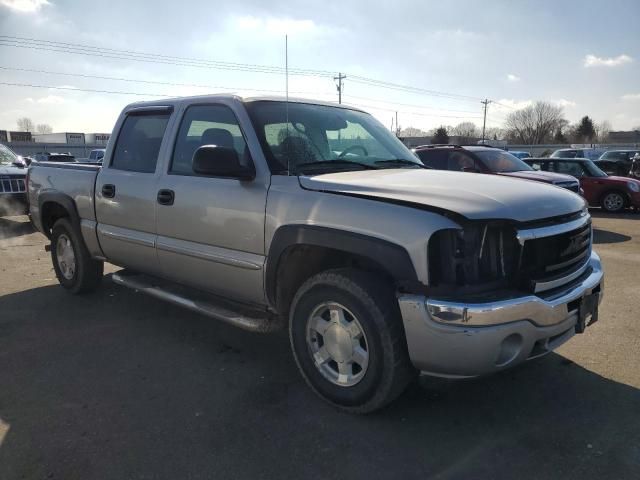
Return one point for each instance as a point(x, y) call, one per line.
point(82, 49)
point(154, 82)
point(406, 112)
point(90, 90)
point(103, 52)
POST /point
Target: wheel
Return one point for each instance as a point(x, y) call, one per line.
point(74, 267)
point(613, 202)
point(348, 340)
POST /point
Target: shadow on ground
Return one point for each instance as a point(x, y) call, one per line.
point(10, 228)
point(605, 236)
point(117, 385)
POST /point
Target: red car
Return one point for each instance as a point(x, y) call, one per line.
point(485, 159)
point(613, 194)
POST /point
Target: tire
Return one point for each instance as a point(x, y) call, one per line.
point(332, 362)
point(74, 267)
point(613, 202)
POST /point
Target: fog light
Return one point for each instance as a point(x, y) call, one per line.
point(509, 349)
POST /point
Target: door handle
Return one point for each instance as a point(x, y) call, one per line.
point(166, 197)
point(108, 190)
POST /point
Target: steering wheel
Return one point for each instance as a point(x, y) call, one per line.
point(353, 147)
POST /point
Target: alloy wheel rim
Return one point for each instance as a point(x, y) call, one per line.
point(66, 257)
point(337, 344)
point(613, 201)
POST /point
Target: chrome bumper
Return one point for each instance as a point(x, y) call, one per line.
point(470, 339)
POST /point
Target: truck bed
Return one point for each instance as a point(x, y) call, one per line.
point(74, 180)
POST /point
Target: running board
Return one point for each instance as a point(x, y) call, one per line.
point(158, 288)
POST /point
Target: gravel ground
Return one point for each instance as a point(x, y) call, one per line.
point(116, 385)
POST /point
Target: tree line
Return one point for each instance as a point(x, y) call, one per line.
point(25, 124)
point(539, 123)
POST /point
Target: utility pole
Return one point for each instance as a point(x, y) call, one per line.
point(397, 126)
point(339, 78)
point(486, 103)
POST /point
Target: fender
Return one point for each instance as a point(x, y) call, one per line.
point(63, 200)
point(392, 257)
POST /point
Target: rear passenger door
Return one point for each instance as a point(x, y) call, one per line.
point(126, 190)
point(211, 235)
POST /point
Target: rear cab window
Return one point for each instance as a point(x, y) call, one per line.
point(139, 141)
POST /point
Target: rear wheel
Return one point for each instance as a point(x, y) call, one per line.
point(613, 202)
point(74, 267)
point(348, 340)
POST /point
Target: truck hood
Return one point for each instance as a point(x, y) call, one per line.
point(12, 170)
point(469, 194)
point(539, 176)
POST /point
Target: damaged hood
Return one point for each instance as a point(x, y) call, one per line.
point(7, 169)
point(472, 195)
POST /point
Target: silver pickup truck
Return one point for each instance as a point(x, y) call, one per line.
point(263, 212)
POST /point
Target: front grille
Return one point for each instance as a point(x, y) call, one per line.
point(552, 258)
point(487, 257)
point(12, 184)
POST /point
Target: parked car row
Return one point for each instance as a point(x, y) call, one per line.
point(612, 193)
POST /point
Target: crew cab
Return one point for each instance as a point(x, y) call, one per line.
point(266, 213)
point(612, 193)
point(13, 189)
point(491, 160)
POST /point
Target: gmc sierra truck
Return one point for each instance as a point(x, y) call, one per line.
point(265, 213)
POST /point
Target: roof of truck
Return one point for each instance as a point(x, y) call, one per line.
point(249, 99)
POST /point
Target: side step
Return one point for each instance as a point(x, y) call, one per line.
point(199, 302)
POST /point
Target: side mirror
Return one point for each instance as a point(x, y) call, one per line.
point(215, 161)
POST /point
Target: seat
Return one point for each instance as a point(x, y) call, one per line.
point(217, 136)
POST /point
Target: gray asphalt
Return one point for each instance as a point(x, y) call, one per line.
point(115, 385)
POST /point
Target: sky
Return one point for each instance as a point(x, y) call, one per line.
point(581, 55)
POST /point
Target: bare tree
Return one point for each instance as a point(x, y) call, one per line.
point(44, 128)
point(25, 124)
point(467, 130)
point(412, 132)
point(534, 124)
point(602, 131)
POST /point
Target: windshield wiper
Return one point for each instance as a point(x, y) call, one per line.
point(400, 161)
point(337, 163)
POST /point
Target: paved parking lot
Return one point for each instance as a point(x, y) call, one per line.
point(117, 385)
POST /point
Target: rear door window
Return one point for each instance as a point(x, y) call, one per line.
point(139, 142)
point(437, 159)
point(569, 168)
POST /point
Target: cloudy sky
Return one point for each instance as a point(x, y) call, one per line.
point(583, 55)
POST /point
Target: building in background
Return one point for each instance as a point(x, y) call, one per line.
point(64, 137)
point(97, 138)
point(20, 137)
point(4, 138)
point(632, 136)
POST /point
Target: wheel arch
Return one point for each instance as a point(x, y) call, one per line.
point(615, 189)
point(298, 252)
point(56, 205)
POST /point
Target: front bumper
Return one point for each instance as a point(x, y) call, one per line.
point(466, 340)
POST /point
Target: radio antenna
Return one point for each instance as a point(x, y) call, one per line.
point(286, 88)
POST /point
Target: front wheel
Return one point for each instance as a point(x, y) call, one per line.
point(74, 267)
point(613, 202)
point(348, 340)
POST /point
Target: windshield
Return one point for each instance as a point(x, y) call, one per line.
point(564, 154)
point(301, 138)
point(593, 169)
point(7, 157)
point(499, 161)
